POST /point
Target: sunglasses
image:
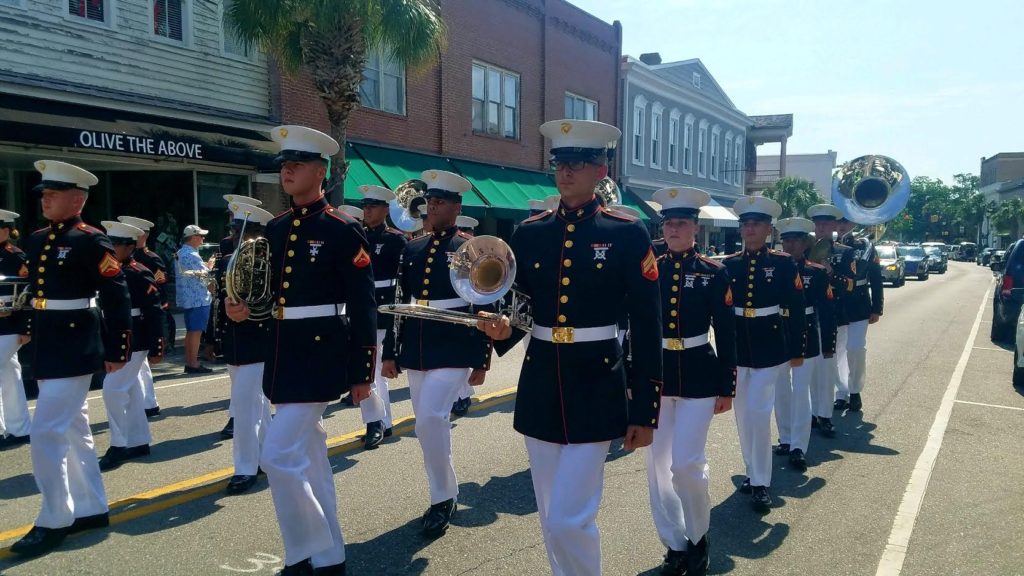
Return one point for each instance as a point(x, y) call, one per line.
point(572, 165)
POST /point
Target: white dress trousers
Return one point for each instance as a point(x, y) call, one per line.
point(302, 485)
point(377, 408)
point(823, 386)
point(148, 392)
point(14, 417)
point(433, 393)
point(64, 461)
point(466, 391)
point(252, 416)
point(122, 395)
point(755, 398)
point(793, 402)
point(677, 471)
point(568, 480)
point(857, 355)
point(842, 364)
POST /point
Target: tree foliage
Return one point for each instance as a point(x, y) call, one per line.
point(795, 195)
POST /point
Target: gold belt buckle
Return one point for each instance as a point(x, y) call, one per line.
point(423, 302)
point(750, 312)
point(563, 335)
point(278, 313)
point(39, 303)
point(675, 344)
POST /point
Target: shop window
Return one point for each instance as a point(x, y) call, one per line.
point(495, 101)
point(383, 86)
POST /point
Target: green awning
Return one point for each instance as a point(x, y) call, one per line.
point(630, 199)
point(359, 173)
point(507, 190)
point(393, 167)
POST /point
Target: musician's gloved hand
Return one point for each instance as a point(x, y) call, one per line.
point(389, 369)
point(500, 329)
point(237, 311)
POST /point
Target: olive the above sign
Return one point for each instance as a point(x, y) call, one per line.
point(140, 145)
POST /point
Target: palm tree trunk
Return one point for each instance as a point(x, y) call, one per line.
point(337, 70)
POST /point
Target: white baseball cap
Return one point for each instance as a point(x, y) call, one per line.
point(193, 230)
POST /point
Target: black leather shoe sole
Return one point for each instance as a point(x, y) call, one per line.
point(388, 432)
point(229, 429)
point(797, 460)
point(855, 403)
point(240, 483)
point(781, 449)
point(151, 412)
point(373, 440)
point(760, 500)
point(89, 523)
point(12, 441)
point(437, 519)
point(39, 541)
point(745, 486)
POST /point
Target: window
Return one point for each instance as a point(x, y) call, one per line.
point(232, 44)
point(673, 141)
point(95, 10)
point(738, 161)
point(688, 144)
point(639, 114)
point(579, 108)
point(656, 115)
point(702, 149)
point(696, 79)
point(383, 86)
point(726, 159)
point(495, 101)
point(168, 19)
point(714, 152)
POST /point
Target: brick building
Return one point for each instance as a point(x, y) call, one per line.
point(507, 67)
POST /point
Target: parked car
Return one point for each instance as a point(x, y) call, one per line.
point(1018, 353)
point(968, 251)
point(937, 261)
point(916, 260)
point(893, 265)
point(1009, 293)
point(984, 257)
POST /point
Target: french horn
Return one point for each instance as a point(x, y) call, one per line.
point(247, 276)
point(405, 209)
point(15, 294)
point(482, 272)
point(607, 192)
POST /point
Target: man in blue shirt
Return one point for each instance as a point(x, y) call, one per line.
point(193, 295)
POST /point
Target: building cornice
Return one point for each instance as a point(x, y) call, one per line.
point(637, 73)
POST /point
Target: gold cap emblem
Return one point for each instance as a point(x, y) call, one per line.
point(42, 166)
point(751, 199)
point(283, 132)
point(673, 193)
point(432, 175)
point(364, 188)
point(566, 127)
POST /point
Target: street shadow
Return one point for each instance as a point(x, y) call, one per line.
point(195, 409)
point(481, 505)
point(18, 486)
point(854, 434)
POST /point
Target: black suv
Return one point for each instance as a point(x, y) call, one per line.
point(1009, 294)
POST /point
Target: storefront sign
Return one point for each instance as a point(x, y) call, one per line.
point(140, 145)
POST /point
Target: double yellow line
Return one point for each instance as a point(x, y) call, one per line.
point(152, 501)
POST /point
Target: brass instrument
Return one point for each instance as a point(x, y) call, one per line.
point(247, 276)
point(15, 295)
point(870, 191)
point(405, 209)
point(482, 272)
point(608, 192)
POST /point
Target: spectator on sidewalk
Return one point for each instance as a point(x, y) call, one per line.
point(193, 295)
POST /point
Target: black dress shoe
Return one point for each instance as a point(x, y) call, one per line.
point(826, 427)
point(116, 455)
point(154, 411)
point(374, 435)
point(674, 563)
point(198, 370)
point(797, 460)
point(461, 406)
point(332, 570)
point(388, 432)
point(89, 523)
point(697, 557)
point(760, 499)
point(855, 403)
point(39, 541)
point(304, 568)
point(745, 487)
point(240, 483)
point(814, 422)
point(229, 429)
point(781, 449)
point(840, 404)
point(437, 518)
point(12, 441)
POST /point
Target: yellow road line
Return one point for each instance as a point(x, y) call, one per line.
point(212, 482)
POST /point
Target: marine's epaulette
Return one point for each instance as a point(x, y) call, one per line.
point(396, 231)
point(88, 229)
point(42, 230)
point(712, 261)
point(779, 253)
point(462, 234)
point(815, 265)
point(10, 247)
point(339, 215)
point(539, 217)
point(734, 255)
point(139, 266)
point(618, 215)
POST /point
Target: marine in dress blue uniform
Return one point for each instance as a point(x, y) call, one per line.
point(438, 357)
point(770, 331)
point(862, 306)
point(14, 417)
point(796, 387)
point(151, 260)
point(123, 397)
point(75, 334)
point(699, 382)
point(245, 347)
point(581, 265)
point(322, 343)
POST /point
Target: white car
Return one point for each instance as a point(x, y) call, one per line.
point(1018, 353)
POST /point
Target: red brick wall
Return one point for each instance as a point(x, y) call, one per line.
point(552, 45)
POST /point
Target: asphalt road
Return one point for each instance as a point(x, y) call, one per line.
point(939, 408)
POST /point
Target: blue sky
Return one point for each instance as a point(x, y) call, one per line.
point(935, 84)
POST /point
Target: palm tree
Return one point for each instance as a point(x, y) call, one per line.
point(794, 194)
point(1008, 218)
point(330, 39)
